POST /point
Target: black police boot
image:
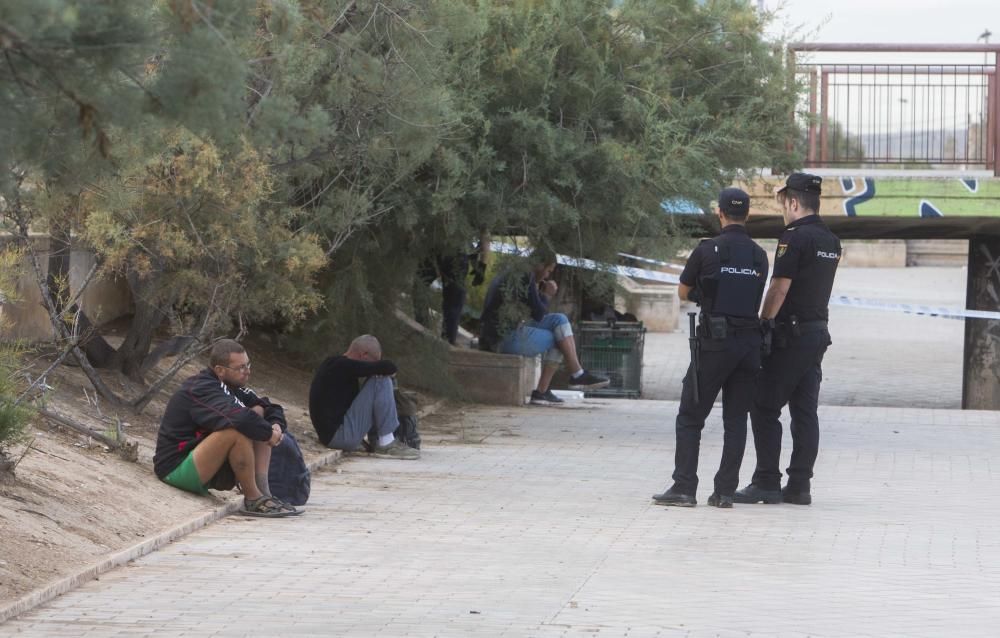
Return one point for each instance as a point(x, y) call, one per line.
point(796, 496)
point(676, 498)
point(715, 500)
point(755, 494)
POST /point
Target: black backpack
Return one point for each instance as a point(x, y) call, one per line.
point(406, 408)
point(288, 475)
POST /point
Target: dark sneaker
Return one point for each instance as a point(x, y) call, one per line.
point(545, 398)
point(587, 381)
point(720, 501)
point(675, 498)
point(754, 494)
point(396, 450)
point(796, 498)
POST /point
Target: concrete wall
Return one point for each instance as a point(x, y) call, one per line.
point(937, 252)
point(497, 379)
point(104, 299)
point(654, 304)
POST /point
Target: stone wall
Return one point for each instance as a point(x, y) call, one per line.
point(104, 299)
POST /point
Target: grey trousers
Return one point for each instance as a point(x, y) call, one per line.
point(373, 408)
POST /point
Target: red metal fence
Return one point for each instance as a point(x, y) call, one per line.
point(897, 114)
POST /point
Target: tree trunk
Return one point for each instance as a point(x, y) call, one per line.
point(139, 338)
point(99, 352)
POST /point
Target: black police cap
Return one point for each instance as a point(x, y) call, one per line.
point(803, 182)
point(734, 201)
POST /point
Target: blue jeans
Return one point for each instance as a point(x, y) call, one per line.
point(373, 408)
point(533, 338)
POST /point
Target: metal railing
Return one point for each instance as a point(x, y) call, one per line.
point(899, 114)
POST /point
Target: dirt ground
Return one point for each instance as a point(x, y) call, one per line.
point(71, 501)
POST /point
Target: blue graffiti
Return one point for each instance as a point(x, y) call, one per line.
point(928, 209)
point(850, 206)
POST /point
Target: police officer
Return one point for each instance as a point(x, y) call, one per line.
point(798, 301)
point(726, 277)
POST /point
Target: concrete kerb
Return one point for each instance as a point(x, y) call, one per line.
point(53, 590)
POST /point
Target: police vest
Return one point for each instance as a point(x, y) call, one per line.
point(737, 287)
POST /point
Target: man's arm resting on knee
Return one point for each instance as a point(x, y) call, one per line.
point(359, 369)
point(213, 409)
point(272, 412)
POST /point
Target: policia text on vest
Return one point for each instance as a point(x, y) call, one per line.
point(798, 300)
point(726, 276)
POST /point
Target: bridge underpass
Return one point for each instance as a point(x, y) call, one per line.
point(907, 138)
point(966, 209)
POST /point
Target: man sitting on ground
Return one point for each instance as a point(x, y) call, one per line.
point(216, 432)
point(343, 413)
point(548, 333)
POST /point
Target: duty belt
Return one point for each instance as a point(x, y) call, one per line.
point(802, 327)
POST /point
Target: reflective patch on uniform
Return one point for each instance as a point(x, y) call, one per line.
point(781, 250)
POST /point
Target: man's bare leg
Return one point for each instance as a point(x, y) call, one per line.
point(545, 378)
point(567, 347)
point(217, 448)
point(261, 466)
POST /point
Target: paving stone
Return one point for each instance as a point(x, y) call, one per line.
point(549, 531)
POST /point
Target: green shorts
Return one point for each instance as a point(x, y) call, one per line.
point(185, 477)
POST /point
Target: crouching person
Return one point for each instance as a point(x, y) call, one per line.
point(351, 396)
point(217, 432)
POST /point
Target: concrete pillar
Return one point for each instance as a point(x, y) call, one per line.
point(981, 367)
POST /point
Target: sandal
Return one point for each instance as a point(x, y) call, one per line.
point(288, 507)
point(264, 507)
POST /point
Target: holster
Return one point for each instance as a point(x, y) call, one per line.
point(767, 337)
point(715, 328)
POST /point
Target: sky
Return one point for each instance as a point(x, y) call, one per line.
point(922, 21)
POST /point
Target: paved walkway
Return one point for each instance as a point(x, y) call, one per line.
point(877, 358)
point(541, 525)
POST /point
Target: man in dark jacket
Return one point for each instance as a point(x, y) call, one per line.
point(216, 432)
point(547, 334)
point(343, 412)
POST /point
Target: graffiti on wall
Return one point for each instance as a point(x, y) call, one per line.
point(918, 197)
point(892, 197)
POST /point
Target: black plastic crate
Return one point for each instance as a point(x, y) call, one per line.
point(613, 350)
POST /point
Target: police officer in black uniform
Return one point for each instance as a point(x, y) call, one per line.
point(726, 277)
point(798, 301)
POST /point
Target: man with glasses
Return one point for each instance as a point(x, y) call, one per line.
point(216, 432)
point(351, 396)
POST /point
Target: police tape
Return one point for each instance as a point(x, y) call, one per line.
point(837, 300)
point(590, 264)
point(913, 309)
point(655, 262)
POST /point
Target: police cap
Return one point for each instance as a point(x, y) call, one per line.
point(734, 202)
point(803, 182)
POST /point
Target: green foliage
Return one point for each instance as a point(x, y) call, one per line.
point(200, 228)
point(569, 123)
point(14, 418)
point(291, 159)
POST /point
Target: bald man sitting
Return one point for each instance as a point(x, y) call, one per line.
point(351, 395)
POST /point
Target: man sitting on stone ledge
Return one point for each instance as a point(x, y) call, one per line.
point(548, 334)
point(216, 432)
point(343, 413)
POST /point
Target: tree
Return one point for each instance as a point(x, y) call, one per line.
point(13, 417)
point(576, 120)
point(125, 128)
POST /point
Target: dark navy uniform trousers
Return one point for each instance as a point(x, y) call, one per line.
point(790, 376)
point(730, 365)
